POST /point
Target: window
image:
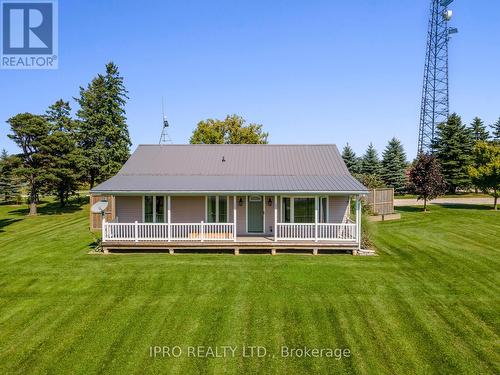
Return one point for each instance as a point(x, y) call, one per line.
point(154, 209)
point(217, 209)
point(302, 210)
point(323, 209)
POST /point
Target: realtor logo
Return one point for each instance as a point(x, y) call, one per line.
point(29, 34)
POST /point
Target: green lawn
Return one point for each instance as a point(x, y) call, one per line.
point(429, 303)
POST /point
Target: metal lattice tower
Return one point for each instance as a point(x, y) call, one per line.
point(435, 99)
point(165, 137)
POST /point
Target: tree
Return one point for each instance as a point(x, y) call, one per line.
point(393, 169)
point(425, 178)
point(65, 158)
point(350, 159)
point(485, 171)
point(496, 131)
point(478, 129)
point(453, 147)
point(30, 133)
point(9, 184)
point(102, 129)
point(371, 181)
point(370, 163)
point(231, 130)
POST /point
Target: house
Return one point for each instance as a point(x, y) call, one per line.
point(232, 197)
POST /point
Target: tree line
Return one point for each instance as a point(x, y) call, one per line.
point(60, 152)
point(462, 158)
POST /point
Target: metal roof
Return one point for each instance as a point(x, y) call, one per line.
point(233, 168)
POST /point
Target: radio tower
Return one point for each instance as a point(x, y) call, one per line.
point(435, 101)
point(164, 138)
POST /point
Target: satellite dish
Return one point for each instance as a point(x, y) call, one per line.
point(447, 14)
point(99, 207)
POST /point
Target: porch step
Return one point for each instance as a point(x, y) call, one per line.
point(366, 252)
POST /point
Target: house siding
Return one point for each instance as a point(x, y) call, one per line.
point(338, 208)
point(187, 209)
point(128, 209)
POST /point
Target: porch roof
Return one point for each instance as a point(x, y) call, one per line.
point(233, 168)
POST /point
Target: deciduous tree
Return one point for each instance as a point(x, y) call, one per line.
point(425, 178)
point(485, 171)
point(231, 130)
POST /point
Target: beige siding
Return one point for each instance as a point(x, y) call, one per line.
point(128, 209)
point(241, 220)
point(269, 216)
point(187, 209)
point(338, 209)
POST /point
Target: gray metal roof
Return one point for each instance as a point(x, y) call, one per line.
point(246, 168)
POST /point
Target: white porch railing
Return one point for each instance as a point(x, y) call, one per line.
point(317, 232)
point(139, 232)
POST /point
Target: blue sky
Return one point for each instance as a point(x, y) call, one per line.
point(309, 71)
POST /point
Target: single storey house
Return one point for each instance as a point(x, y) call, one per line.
point(232, 197)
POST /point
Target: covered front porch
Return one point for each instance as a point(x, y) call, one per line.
point(257, 220)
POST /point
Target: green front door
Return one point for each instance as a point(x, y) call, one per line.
point(255, 214)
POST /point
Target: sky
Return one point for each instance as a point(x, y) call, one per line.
point(308, 71)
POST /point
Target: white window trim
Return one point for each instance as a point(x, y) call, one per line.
point(292, 206)
point(154, 207)
point(217, 208)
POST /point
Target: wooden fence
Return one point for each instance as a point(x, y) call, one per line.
point(381, 201)
point(96, 219)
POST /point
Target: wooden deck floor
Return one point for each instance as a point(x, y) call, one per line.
point(243, 243)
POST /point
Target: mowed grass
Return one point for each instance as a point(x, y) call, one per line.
point(429, 303)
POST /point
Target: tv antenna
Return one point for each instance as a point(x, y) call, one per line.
point(165, 137)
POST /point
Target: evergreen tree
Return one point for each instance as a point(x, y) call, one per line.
point(478, 129)
point(425, 178)
point(350, 159)
point(102, 129)
point(453, 147)
point(394, 166)
point(370, 164)
point(496, 131)
point(31, 132)
point(62, 151)
point(9, 184)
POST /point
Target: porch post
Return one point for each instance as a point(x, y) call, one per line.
point(169, 234)
point(358, 221)
point(234, 218)
point(275, 218)
point(316, 219)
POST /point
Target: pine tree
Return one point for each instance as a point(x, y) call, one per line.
point(350, 159)
point(453, 147)
point(394, 166)
point(496, 131)
point(102, 129)
point(30, 132)
point(9, 184)
point(62, 151)
point(478, 129)
point(370, 164)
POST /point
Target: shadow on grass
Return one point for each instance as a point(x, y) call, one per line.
point(464, 206)
point(54, 208)
point(410, 209)
point(7, 222)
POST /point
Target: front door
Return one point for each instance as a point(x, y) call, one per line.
point(255, 215)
